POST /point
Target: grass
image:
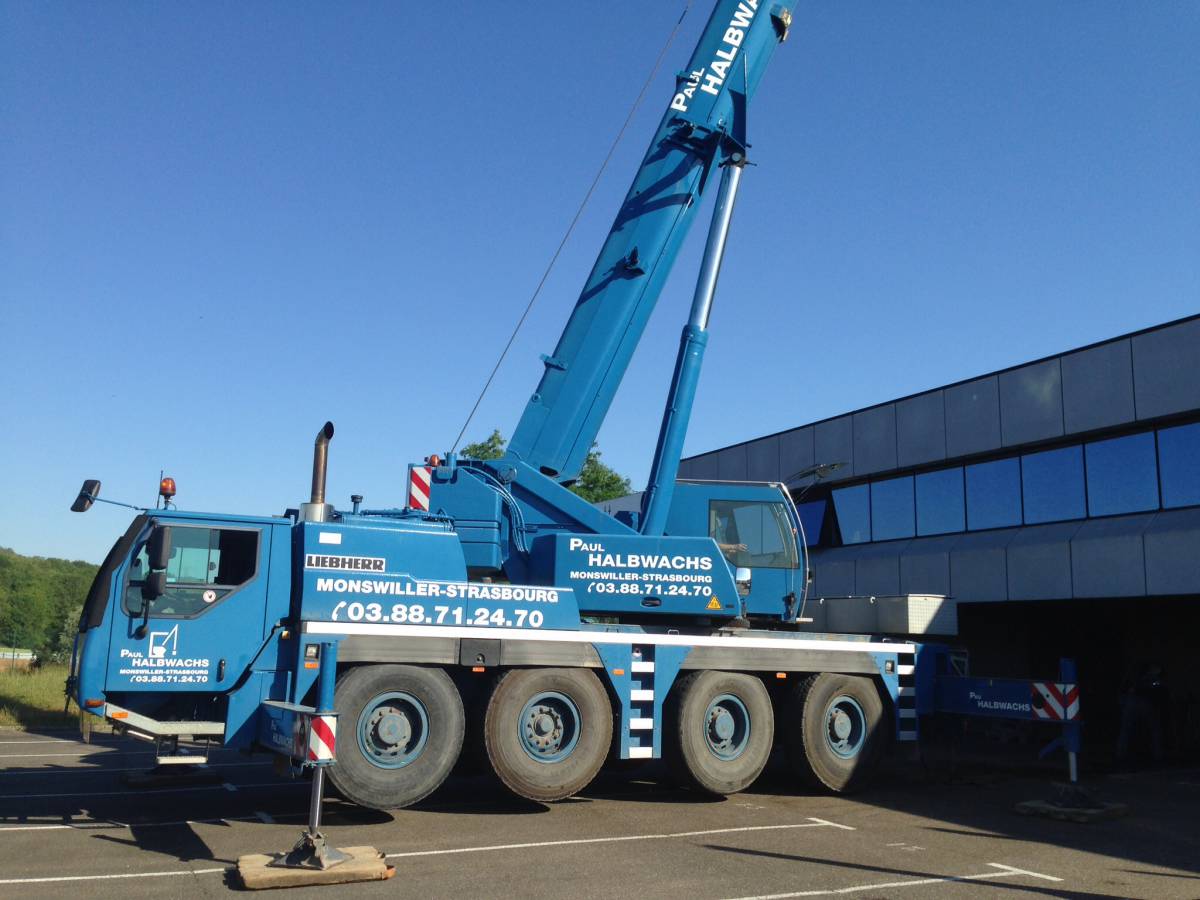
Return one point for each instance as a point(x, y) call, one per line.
point(33, 699)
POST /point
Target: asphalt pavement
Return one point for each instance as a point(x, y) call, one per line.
point(72, 825)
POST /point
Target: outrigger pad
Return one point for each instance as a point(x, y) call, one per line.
point(364, 864)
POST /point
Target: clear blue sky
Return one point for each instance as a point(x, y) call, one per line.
point(223, 223)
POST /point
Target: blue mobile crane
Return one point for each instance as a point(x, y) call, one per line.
point(498, 608)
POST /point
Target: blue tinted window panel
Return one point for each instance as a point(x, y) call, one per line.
point(979, 567)
point(731, 464)
point(1122, 475)
point(878, 575)
point(940, 504)
point(875, 440)
point(853, 508)
point(972, 417)
point(1039, 563)
point(762, 459)
point(1166, 369)
point(920, 429)
point(1097, 386)
point(834, 443)
point(1179, 465)
point(703, 467)
point(1107, 558)
point(1052, 485)
point(796, 455)
point(833, 575)
point(812, 517)
point(925, 566)
point(892, 509)
point(1172, 563)
point(1031, 403)
point(994, 494)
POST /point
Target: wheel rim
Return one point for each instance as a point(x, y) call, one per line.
point(549, 727)
point(393, 730)
point(845, 727)
point(726, 727)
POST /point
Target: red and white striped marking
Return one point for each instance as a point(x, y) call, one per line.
point(419, 478)
point(322, 739)
point(1060, 702)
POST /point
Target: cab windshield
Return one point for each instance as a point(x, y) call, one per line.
point(97, 598)
point(754, 533)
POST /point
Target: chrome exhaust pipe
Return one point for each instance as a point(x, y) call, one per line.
point(316, 510)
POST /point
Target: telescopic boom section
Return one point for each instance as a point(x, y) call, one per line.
point(703, 125)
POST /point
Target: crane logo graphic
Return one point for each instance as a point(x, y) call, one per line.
point(161, 640)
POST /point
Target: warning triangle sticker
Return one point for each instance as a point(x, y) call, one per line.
point(714, 603)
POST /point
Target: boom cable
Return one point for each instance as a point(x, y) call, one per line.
point(574, 221)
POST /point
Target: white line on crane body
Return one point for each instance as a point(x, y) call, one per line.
point(811, 823)
point(1005, 872)
point(551, 635)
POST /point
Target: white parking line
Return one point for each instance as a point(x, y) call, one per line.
point(487, 848)
point(1005, 872)
point(61, 878)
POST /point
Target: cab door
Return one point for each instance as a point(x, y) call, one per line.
point(209, 622)
point(761, 535)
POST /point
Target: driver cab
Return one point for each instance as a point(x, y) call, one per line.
point(757, 529)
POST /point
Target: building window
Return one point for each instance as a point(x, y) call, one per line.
point(1179, 465)
point(940, 502)
point(892, 513)
point(1052, 485)
point(994, 494)
point(1122, 476)
point(853, 508)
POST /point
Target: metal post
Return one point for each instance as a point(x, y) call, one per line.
point(1071, 729)
point(661, 485)
point(311, 851)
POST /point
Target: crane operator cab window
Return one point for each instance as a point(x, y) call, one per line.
point(753, 533)
point(206, 565)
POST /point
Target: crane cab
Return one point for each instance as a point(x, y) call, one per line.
point(757, 530)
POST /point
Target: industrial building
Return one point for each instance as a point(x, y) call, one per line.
point(1057, 502)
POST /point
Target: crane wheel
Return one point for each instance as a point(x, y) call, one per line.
point(836, 730)
point(719, 730)
point(400, 732)
point(547, 731)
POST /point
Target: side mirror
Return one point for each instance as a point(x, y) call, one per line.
point(158, 548)
point(87, 495)
point(742, 576)
point(154, 587)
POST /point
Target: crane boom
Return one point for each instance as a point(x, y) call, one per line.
point(704, 122)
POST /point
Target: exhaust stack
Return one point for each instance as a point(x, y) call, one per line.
point(316, 509)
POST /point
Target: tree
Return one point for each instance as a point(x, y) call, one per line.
point(491, 447)
point(596, 482)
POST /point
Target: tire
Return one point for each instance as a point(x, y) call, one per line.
point(547, 731)
point(835, 733)
point(401, 731)
point(719, 730)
